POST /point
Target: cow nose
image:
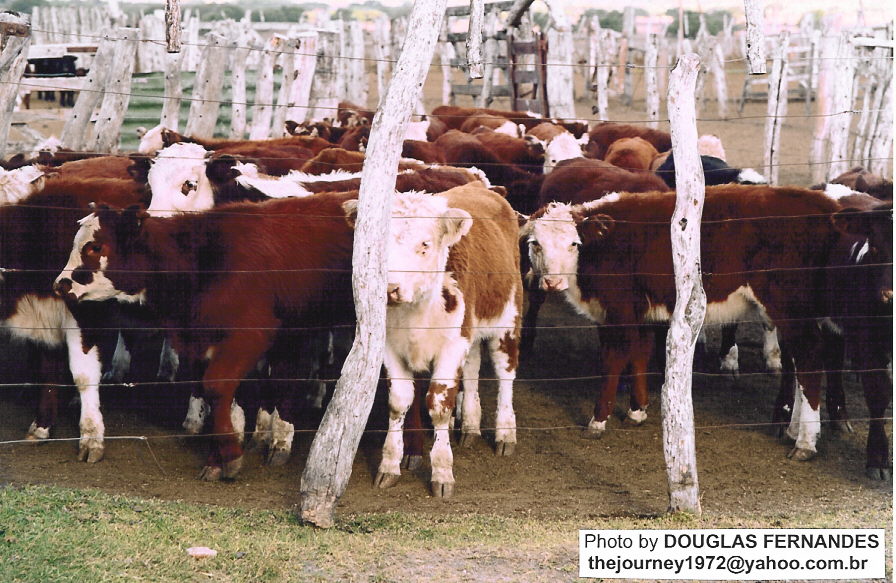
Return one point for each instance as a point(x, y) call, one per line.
point(887, 296)
point(553, 283)
point(63, 287)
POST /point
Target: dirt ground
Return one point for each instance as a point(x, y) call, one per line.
point(743, 467)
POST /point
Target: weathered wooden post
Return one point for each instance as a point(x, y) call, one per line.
point(173, 61)
point(324, 98)
point(383, 55)
point(628, 32)
point(15, 38)
point(333, 450)
point(755, 37)
point(474, 40)
point(679, 448)
point(288, 77)
point(172, 26)
point(262, 110)
point(838, 136)
point(490, 55)
point(107, 129)
point(75, 132)
point(305, 66)
point(608, 48)
point(207, 86)
point(356, 74)
point(244, 44)
point(818, 157)
point(776, 109)
point(651, 52)
point(446, 54)
point(560, 93)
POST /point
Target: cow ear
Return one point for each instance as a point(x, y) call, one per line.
point(170, 137)
point(595, 228)
point(861, 184)
point(291, 126)
point(521, 219)
point(220, 169)
point(455, 224)
point(351, 211)
point(139, 168)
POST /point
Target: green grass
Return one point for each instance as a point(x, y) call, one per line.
point(57, 534)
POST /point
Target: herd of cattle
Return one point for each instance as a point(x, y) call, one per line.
point(231, 260)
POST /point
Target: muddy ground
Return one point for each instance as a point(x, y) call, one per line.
point(743, 467)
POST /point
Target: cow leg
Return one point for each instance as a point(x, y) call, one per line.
point(231, 361)
point(770, 348)
point(614, 356)
point(641, 348)
point(536, 298)
point(505, 356)
point(807, 398)
point(401, 397)
point(86, 368)
point(728, 351)
point(835, 398)
point(471, 407)
point(51, 366)
point(440, 401)
point(413, 429)
point(878, 388)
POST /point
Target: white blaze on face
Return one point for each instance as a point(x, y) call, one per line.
point(422, 229)
point(178, 182)
point(553, 246)
point(19, 183)
point(562, 147)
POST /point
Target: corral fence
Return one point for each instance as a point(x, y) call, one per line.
point(244, 79)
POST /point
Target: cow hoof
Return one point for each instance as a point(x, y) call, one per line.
point(593, 433)
point(842, 425)
point(442, 489)
point(36, 433)
point(469, 439)
point(505, 448)
point(91, 455)
point(882, 474)
point(412, 462)
point(384, 481)
point(233, 467)
point(801, 455)
point(210, 474)
point(278, 457)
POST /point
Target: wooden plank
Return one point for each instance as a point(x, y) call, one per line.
point(264, 90)
point(755, 37)
point(13, 60)
point(776, 109)
point(172, 26)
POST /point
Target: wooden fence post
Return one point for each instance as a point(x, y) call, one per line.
point(288, 77)
point(324, 98)
point(560, 92)
point(301, 89)
point(172, 26)
point(383, 55)
point(474, 40)
point(244, 44)
point(628, 32)
point(838, 136)
point(75, 132)
point(107, 130)
point(776, 110)
point(174, 91)
point(818, 157)
point(356, 73)
point(329, 463)
point(207, 87)
point(262, 110)
point(652, 99)
point(15, 38)
point(690, 303)
point(490, 56)
point(755, 37)
point(608, 48)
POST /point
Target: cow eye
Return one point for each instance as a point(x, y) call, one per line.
point(575, 245)
point(92, 248)
point(188, 186)
point(535, 244)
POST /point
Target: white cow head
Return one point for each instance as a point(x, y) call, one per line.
point(553, 243)
point(20, 183)
point(178, 182)
point(421, 232)
point(562, 147)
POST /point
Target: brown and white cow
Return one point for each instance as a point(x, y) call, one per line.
point(761, 246)
point(605, 133)
point(222, 283)
point(453, 283)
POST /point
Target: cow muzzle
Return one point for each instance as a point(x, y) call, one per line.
point(393, 293)
point(554, 283)
point(63, 288)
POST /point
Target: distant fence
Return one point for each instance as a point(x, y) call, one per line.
point(243, 79)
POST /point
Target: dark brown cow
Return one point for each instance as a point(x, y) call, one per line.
point(605, 133)
point(762, 246)
point(222, 283)
point(33, 238)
